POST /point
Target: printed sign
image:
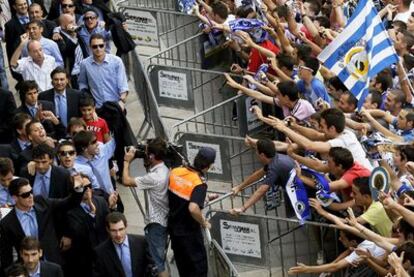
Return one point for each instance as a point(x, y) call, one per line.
point(172, 85)
point(240, 238)
point(192, 148)
point(143, 27)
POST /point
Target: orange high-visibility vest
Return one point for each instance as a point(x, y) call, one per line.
point(183, 181)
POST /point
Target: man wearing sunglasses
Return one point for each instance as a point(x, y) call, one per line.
point(35, 216)
point(97, 74)
point(92, 25)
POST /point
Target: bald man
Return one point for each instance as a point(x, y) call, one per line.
point(37, 66)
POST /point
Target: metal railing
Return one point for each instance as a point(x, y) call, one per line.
point(155, 4)
point(287, 242)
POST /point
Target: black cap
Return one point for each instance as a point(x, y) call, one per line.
point(208, 154)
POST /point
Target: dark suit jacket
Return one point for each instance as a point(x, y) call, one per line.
point(72, 100)
point(6, 151)
point(107, 263)
point(7, 107)
point(54, 131)
point(11, 232)
point(46, 105)
point(86, 233)
point(23, 159)
point(49, 25)
point(60, 181)
point(13, 30)
point(48, 269)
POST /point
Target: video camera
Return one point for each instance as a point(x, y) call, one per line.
point(173, 155)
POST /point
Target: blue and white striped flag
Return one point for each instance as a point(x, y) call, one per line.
point(360, 51)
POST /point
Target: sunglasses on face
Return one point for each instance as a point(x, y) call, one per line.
point(67, 6)
point(26, 194)
point(89, 18)
point(96, 46)
point(67, 153)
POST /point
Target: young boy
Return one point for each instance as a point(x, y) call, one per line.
point(94, 123)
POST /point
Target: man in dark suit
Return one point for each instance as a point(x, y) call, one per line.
point(30, 252)
point(39, 109)
point(66, 100)
point(20, 140)
point(86, 228)
point(34, 216)
point(48, 180)
point(14, 28)
point(7, 107)
point(120, 255)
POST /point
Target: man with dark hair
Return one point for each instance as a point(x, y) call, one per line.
point(29, 93)
point(48, 180)
point(6, 176)
point(66, 100)
point(333, 134)
point(342, 166)
point(121, 254)
point(347, 102)
point(373, 100)
point(402, 126)
point(155, 182)
point(277, 169)
point(20, 141)
point(17, 270)
point(86, 228)
point(373, 211)
point(34, 216)
point(286, 97)
point(186, 195)
point(310, 87)
point(31, 253)
point(95, 155)
point(96, 74)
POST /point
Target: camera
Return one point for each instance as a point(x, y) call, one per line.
point(74, 28)
point(173, 156)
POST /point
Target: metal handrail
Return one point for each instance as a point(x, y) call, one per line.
point(141, 8)
point(203, 112)
point(277, 218)
point(173, 46)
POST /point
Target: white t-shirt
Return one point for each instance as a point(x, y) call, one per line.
point(348, 140)
point(371, 247)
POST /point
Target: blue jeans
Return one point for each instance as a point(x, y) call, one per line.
point(156, 237)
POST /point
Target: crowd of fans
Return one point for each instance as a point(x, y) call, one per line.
point(62, 150)
point(320, 137)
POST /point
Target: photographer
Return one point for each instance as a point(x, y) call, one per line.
point(156, 184)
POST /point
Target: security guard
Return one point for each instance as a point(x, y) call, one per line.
point(186, 192)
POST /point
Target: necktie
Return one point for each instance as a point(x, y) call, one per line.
point(32, 225)
point(24, 20)
point(43, 190)
point(126, 264)
point(62, 109)
point(33, 111)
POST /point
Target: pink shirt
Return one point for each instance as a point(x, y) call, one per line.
point(301, 111)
